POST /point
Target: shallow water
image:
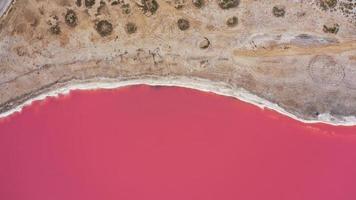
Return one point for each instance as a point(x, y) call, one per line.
point(162, 143)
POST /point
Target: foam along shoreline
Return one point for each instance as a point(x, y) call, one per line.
point(204, 85)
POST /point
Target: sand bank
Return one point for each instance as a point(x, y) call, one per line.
point(219, 88)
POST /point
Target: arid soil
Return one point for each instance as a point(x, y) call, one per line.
point(297, 54)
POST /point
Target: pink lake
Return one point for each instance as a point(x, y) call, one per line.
point(168, 143)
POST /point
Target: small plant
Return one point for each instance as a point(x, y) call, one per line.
point(232, 21)
point(71, 18)
point(104, 28)
point(148, 6)
point(179, 4)
point(327, 4)
point(55, 29)
point(89, 3)
point(331, 29)
point(125, 8)
point(227, 4)
point(53, 22)
point(198, 3)
point(279, 11)
point(115, 2)
point(78, 3)
point(131, 28)
point(183, 24)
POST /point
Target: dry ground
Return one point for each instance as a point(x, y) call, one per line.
point(298, 54)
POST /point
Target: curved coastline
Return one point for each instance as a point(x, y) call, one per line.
point(203, 85)
point(340, 52)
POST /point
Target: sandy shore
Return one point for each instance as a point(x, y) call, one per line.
point(219, 88)
point(305, 71)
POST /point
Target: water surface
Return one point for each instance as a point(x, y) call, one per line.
point(167, 143)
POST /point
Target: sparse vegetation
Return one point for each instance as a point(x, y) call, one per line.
point(104, 28)
point(198, 3)
point(232, 21)
point(131, 28)
point(331, 29)
point(279, 11)
point(126, 8)
point(148, 6)
point(115, 2)
point(183, 24)
point(327, 4)
point(78, 3)
point(227, 4)
point(89, 3)
point(179, 4)
point(71, 18)
point(55, 29)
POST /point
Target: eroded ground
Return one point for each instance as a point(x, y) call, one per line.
point(298, 54)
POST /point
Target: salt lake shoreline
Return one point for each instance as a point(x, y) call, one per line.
point(310, 81)
point(203, 85)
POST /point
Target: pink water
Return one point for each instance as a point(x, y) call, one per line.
point(160, 143)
